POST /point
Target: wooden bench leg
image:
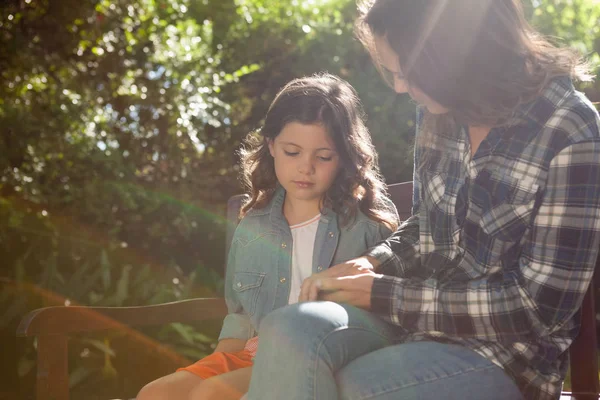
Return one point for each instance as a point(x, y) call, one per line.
point(52, 382)
point(583, 352)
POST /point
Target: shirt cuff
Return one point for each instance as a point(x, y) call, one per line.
point(383, 295)
point(382, 253)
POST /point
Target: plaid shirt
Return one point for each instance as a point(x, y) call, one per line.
point(501, 247)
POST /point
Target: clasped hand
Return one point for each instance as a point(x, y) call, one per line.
point(349, 283)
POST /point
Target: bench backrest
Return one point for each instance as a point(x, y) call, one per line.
point(583, 351)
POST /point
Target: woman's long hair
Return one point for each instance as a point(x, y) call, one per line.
point(478, 58)
point(330, 101)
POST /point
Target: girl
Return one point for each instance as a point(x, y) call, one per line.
point(487, 276)
point(316, 199)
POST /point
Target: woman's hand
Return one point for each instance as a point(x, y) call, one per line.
point(353, 289)
point(358, 266)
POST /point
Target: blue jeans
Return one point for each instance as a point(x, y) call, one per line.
point(328, 351)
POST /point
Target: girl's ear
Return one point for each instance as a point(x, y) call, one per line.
point(271, 144)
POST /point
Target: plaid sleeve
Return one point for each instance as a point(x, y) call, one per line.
point(400, 252)
point(536, 297)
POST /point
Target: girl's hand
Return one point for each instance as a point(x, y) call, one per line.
point(310, 292)
point(354, 289)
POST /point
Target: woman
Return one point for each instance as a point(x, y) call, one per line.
point(476, 295)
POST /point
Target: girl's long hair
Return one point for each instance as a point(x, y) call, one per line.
point(330, 101)
point(478, 58)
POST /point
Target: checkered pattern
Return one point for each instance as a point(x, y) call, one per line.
point(501, 247)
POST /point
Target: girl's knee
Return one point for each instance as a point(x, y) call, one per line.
point(303, 318)
point(174, 386)
point(213, 389)
point(156, 390)
point(204, 391)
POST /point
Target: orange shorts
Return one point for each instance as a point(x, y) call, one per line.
point(220, 363)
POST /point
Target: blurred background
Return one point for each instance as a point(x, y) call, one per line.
point(119, 122)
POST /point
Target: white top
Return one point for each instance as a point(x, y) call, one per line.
point(303, 236)
point(303, 239)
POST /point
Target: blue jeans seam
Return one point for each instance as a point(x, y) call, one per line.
point(475, 369)
point(322, 340)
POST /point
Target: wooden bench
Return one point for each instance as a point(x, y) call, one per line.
point(53, 325)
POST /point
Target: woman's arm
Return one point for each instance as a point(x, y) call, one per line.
point(537, 297)
point(400, 252)
point(532, 300)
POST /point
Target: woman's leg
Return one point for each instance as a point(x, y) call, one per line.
point(424, 370)
point(303, 345)
point(228, 386)
point(176, 386)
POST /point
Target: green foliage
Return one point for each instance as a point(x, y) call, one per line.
point(575, 23)
point(95, 276)
point(119, 122)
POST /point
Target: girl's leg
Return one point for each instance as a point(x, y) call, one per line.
point(228, 386)
point(425, 370)
point(303, 345)
point(176, 386)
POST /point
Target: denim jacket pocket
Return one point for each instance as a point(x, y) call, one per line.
point(247, 288)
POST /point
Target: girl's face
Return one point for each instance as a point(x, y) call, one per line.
point(306, 161)
point(391, 65)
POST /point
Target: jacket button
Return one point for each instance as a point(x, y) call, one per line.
point(239, 284)
point(282, 280)
point(320, 268)
point(283, 245)
point(331, 234)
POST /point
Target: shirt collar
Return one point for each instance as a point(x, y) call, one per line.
point(539, 110)
point(275, 208)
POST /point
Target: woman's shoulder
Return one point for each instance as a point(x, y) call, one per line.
point(571, 116)
point(579, 117)
point(557, 119)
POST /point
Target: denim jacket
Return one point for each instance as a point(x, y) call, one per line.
point(260, 260)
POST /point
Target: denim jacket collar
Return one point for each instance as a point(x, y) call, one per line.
point(327, 235)
point(275, 210)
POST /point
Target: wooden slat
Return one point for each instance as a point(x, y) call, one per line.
point(67, 320)
point(585, 396)
point(584, 350)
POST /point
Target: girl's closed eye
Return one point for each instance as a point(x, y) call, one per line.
point(323, 158)
point(290, 153)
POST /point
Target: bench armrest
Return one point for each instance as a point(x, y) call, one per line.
point(63, 320)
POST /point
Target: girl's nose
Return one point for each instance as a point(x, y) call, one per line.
point(306, 166)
